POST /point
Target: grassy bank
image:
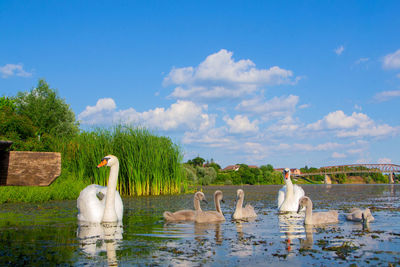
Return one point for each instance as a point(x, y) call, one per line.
point(64, 187)
point(149, 165)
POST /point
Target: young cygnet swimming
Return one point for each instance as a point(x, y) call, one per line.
point(186, 215)
point(359, 215)
point(211, 216)
point(240, 212)
point(317, 217)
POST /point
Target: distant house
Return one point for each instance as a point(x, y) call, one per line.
point(231, 168)
point(236, 167)
point(293, 171)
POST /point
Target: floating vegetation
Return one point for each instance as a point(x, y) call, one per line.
point(344, 250)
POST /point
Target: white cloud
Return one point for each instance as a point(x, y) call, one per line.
point(14, 70)
point(392, 61)
point(276, 107)
point(387, 95)
point(304, 106)
point(356, 151)
point(339, 120)
point(339, 50)
point(372, 131)
point(309, 147)
point(356, 125)
point(337, 155)
point(241, 124)
point(361, 60)
point(184, 115)
point(384, 161)
point(219, 76)
point(285, 127)
point(103, 104)
point(215, 137)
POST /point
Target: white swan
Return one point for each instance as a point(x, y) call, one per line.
point(99, 203)
point(324, 217)
point(289, 195)
point(240, 212)
point(186, 215)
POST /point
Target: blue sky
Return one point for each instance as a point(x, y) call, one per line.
point(287, 83)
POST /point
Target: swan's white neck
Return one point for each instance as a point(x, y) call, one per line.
point(289, 189)
point(110, 214)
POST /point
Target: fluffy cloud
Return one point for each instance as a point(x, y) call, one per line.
point(13, 70)
point(309, 147)
point(386, 95)
point(276, 107)
point(339, 50)
point(285, 127)
point(241, 124)
point(183, 115)
point(337, 155)
point(356, 125)
point(220, 76)
point(392, 61)
point(384, 161)
point(339, 120)
point(215, 137)
point(361, 60)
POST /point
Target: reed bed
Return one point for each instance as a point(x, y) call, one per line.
point(149, 164)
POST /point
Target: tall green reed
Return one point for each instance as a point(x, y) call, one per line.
point(149, 164)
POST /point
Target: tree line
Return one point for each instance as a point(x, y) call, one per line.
point(202, 172)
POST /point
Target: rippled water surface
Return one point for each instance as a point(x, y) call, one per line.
point(48, 233)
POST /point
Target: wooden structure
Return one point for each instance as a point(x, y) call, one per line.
point(28, 168)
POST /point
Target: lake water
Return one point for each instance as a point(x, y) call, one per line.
point(48, 234)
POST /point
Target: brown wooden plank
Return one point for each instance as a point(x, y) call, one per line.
point(29, 168)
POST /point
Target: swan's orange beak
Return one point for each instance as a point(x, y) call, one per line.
point(102, 163)
point(287, 175)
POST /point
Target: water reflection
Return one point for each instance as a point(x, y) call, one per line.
point(202, 229)
point(291, 225)
point(95, 238)
point(309, 241)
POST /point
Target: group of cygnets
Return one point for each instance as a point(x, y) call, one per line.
point(200, 216)
point(291, 198)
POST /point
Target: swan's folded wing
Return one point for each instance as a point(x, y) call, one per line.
point(281, 196)
point(298, 192)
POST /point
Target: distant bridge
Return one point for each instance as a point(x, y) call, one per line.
point(356, 168)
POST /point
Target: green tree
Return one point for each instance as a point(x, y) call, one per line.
point(19, 129)
point(7, 102)
point(197, 161)
point(47, 111)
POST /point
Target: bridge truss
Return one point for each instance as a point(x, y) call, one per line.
point(356, 168)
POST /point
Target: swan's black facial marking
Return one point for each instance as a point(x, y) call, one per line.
point(103, 162)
